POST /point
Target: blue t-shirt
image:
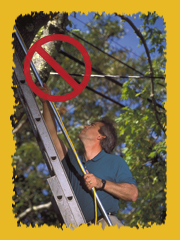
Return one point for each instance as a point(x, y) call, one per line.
point(105, 166)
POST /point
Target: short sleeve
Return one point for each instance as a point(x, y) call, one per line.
point(123, 173)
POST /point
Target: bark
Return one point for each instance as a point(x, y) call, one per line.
point(54, 26)
point(28, 27)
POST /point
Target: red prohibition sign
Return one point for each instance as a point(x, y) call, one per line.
point(78, 88)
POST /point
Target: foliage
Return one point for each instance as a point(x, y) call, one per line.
point(141, 141)
point(156, 37)
point(145, 148)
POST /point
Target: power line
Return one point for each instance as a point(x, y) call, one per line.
point(98, 93)
point(101, 73)
point(93, 68)
point(118, 60)
point(103, 35)
point(102, 95)
point(107, 54)
point(112, 76)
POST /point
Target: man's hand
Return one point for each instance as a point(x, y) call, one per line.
point(125, 191)
point(92, 181)
point(44, 89)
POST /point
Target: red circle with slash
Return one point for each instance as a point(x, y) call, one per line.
point(37, 47)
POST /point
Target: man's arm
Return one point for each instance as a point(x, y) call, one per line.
point(51, 125)
point(125, 191)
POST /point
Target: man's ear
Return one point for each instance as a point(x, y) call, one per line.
point(100, 137)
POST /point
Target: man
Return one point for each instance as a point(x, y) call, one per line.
point(108, 173)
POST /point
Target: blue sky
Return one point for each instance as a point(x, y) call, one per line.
point(130, 40)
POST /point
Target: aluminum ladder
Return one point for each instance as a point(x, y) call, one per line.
point(60, 186)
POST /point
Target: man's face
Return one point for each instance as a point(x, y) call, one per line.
point(91, 132)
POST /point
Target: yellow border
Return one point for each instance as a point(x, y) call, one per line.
point(9, 12)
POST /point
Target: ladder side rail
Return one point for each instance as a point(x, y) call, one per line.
point(33, 125)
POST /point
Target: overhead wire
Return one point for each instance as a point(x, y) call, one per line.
point(102, 95)
point(103, 35)
point(95, 91)
point(99, 93)
point(93, 68)
point(109, 54)
point(112, 76)
point(125, 64)
point(101, 73)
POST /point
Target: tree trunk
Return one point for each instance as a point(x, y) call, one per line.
point(29, 25)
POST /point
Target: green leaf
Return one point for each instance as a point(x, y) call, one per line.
point(75, 30)
point(152, 50)
point(152, 154)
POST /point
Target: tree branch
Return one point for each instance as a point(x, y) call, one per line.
point(19, 126)
point(139, 34)
point(33, 208)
